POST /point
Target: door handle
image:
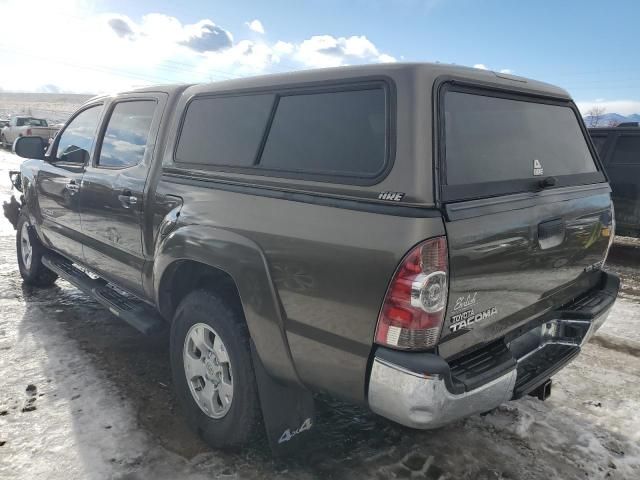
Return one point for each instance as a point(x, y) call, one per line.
point(72, 186)
point(127, 199)
point(551, 233)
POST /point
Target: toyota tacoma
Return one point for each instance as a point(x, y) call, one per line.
point(422, 239)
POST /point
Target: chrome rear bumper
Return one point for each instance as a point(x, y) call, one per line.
point(415, 395)
point(423, 401)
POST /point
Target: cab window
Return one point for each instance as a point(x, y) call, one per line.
point(125, 138)
point(77, 138)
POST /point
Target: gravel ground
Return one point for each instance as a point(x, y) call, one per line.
point(84, 396)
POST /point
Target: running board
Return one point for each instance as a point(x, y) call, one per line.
point(132, 310)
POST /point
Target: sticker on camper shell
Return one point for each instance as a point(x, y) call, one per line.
point(394, 196)
point(537, 168)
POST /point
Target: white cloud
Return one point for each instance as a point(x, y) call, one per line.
point(480, 66)
point(385, 58)
point(284, 47)
point(330, 51)
point(156, 48)
point(506, 71)
point(255, 26)
point(623, 107)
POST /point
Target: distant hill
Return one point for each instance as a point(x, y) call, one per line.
point(55, 107)
point(610, 119)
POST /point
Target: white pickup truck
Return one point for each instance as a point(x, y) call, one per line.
point(25, 126)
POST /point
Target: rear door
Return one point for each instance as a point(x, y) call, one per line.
point(113, 189)
point(59, 179)
point(527, 209)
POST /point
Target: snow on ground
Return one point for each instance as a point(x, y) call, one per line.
point(84, 396)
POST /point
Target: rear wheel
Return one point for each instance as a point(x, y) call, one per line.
point(213, 371)
point(30, 252)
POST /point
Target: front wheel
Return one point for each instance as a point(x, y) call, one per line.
point(213, 370)
point(30, 252)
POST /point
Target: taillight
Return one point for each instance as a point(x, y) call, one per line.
point(28, 132)
point(413, 310)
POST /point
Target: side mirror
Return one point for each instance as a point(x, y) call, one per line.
point(73, 154)
point(30, 147)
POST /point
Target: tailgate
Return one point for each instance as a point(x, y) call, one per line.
point(528, 212)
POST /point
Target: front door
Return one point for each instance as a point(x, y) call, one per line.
point(58, 183)
point(113, 190)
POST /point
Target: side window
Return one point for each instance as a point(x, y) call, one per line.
point(224, 130)
point(341, 133)
point(627, 150)
point(77, 138)
point(125, 138)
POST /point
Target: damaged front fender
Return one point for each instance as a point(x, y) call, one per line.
point(12, 211)
point(12, 207)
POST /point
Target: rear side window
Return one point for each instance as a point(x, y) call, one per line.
point(224, 130)
point(627, 150)
point(333, 132)
point(495, 139)
point(126, 136)
point(327, 135)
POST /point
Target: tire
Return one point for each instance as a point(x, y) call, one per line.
point(3, 141)
point(207, 318)
point(30, 252)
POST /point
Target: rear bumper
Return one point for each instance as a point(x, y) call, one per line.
point(421, 390)
point(424, 401)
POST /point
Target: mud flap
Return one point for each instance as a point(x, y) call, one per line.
point(288, 411)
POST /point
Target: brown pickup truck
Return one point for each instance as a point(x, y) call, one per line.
point(422, 239)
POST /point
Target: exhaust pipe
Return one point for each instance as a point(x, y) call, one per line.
point(543, 391)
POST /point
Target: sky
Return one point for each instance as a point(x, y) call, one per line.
point(591, 48)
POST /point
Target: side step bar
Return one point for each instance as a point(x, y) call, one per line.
point(132, 310)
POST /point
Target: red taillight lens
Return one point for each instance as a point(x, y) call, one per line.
point(414, 306)
point(28, 132)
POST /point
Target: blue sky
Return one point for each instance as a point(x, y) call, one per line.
point(587, 47)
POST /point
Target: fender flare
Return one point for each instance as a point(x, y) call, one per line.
point(243, 260)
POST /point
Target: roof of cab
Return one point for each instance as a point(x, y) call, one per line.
point(167, 88)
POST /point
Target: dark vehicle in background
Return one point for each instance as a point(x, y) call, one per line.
point(619, 150)
point(422, 239)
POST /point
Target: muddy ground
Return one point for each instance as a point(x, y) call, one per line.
point(84, 396)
